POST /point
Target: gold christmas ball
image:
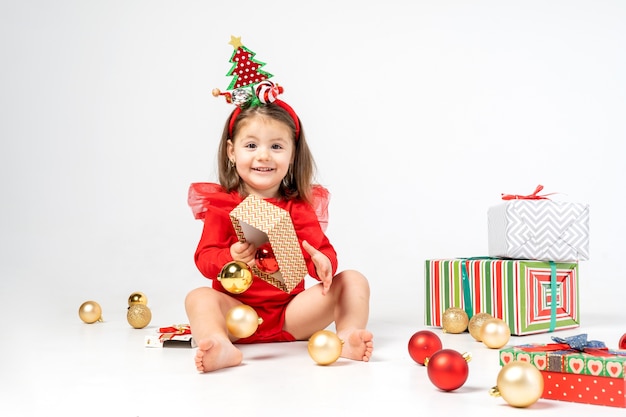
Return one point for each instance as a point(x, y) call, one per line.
point(242, 321)
point(454, 320)
point(519, 383)
point(137, 298)
point(476, 324)
point(90, 312)
point(139, 316)
point(495, 333)
point(235, 277)
point(324, 347)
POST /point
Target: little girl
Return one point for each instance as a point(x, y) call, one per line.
point(263, 151)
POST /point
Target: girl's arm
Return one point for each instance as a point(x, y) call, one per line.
point(213, 251)
point(308, 228)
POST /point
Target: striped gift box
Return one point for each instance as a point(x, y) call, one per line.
point(530, 296)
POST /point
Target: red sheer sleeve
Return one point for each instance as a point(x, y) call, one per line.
point(210, 203)
point(204, 194)
point(309, 228)
point(321, 199)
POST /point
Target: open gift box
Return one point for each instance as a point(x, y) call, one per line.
point(258, 221)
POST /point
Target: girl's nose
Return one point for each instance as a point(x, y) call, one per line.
point(263, 153)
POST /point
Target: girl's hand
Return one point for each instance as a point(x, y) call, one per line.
point(244, 252)
point(322, 265)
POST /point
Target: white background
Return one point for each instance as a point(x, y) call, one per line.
point(419, 113)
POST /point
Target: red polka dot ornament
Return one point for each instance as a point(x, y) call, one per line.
point(448, 369)
point(422, 345)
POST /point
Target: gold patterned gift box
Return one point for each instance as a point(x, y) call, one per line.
point(259, 221)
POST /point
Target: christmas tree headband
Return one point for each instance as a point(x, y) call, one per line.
point(251, 86)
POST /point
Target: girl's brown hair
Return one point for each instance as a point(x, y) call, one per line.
point(298, 181)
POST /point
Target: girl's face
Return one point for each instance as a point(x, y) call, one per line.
point(262, 151)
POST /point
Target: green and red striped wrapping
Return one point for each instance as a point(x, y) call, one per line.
point(520, 292)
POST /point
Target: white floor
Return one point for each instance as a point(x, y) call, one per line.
point(58, 365)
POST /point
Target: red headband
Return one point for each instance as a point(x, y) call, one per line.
point(282, 104)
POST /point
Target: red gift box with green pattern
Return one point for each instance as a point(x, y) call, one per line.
point(530, 296)
point(583, 375)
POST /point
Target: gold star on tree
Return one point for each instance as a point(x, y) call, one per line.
point(235, 41)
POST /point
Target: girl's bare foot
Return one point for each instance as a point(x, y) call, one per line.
point(358, 344)
point(214, 354)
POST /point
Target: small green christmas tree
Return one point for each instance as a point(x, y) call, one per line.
point(245, 70)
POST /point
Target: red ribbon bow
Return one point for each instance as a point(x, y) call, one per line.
point(533, 196)
point(553, 347)
point(167, 333)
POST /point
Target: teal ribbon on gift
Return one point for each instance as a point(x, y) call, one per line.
point(467, 296)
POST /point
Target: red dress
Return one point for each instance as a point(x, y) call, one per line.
point(212, 204)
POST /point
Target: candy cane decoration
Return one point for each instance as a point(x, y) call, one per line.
point(267, 91)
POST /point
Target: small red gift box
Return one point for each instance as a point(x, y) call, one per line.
point(584, 372)
point(173, 336)
point(587, 389)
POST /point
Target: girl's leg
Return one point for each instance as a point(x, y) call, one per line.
point(206, 311)
point(347, 304)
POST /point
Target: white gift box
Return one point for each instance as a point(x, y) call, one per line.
point(540, 230)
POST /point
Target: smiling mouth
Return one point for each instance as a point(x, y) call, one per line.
point(263, 169)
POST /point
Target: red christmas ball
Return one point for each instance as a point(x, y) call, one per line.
point(622, 342)
point(265, 259)
point(447, 369)
point(423, 344)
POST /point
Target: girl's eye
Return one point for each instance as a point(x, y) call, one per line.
point(251, 145)
point(277, 146)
